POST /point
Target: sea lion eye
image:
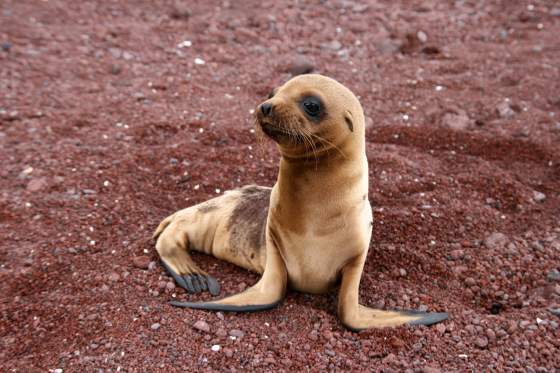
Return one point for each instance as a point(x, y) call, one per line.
point(312, 106)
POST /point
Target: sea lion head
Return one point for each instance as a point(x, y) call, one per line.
point(310, 114)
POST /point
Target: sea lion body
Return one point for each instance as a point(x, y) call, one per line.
point(310, 231)
point(230, 227)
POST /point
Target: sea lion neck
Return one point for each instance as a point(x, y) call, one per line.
point(307, 177)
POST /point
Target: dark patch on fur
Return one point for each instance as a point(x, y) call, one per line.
point(207, 207)
point(247, 222)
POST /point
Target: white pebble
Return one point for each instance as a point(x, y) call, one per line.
point(216, 348)
point(184, 44)
point(439, 88)
point(421, 35)
point(199, 61)
point(196, 187)
point(106, 183)
point(217, 191)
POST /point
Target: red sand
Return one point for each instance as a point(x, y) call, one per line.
point(107, 126)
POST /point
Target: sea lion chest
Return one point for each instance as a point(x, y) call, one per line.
point(315, 256)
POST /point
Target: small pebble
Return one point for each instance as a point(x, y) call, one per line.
point(491, 335)
point(457, 254)
point(6, 46)
point(141, 262)
point(202, 326)
point(396, 342)
point(221, 332)
point(333, 45)
point(495, 240)
point(155, 326)
point(228, 352)
point(504, 110)
point(236, 333)
point(481, 342)
point(389, 359)
point(553, 275)
point(216, 348)
point(538, 196)
point(300, 65)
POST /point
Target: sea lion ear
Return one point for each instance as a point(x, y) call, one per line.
point(348, 118)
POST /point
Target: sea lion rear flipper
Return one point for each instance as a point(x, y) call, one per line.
point(357, 317)
point(267, 293)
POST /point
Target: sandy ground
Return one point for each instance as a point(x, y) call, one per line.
point(114, 114)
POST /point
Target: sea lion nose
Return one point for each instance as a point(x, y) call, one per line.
point(266, 108)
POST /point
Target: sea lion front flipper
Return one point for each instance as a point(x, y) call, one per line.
point(194, 283)
point(357, 317)
point(267, 293)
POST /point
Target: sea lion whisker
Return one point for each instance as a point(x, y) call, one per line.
point(309, 139)
point(325, 141)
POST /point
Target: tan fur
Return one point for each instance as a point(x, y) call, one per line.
point(319, 220)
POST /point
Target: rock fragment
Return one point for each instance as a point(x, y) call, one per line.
point(504, 109)
point(300, 65)
point(236, 333)
point(36, 185)
point(456, 121)
point(495, 240)
point(538, 196)
point(141, 262)
point(202, 326)
point(481, 342)
point(333, 45)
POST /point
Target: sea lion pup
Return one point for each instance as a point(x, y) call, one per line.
point(310, 231)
